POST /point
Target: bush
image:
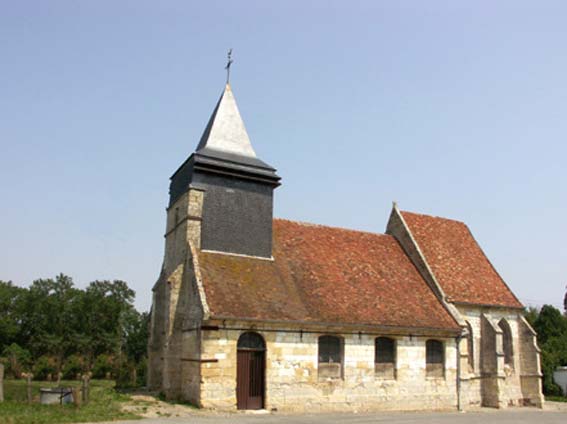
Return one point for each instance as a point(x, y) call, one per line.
point(17, 360)
point(73, 365)
point(125, 374)
point(550, 388)
point(102, 366)
point(142, 372)
point(43, 367)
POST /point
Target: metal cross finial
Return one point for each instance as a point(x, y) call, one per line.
point(228, 63)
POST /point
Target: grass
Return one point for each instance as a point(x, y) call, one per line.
point(556, 398)
point(104, 404)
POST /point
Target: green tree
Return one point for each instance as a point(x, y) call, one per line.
point(18, 360)
point(550, 323)
point(135, 335)
point(531, 315)
point(11, 298)
point(551, 327)
point(49, 316)
point(60, 325)
point(104, 306)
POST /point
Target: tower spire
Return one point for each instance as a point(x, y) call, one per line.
point(238, 187)
point(228, 63)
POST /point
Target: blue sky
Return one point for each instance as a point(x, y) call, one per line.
point(455, 109)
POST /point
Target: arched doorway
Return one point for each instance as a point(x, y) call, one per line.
point(250, 366)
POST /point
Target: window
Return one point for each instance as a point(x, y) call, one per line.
point(330, 357)
point(470, 346)
point(385, 357)
point(507, 342)
point(251, 341)
point(434, 358)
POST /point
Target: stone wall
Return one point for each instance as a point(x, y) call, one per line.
point(489, 381)
point(293, 383)
point(530, 366)
point(173, 348)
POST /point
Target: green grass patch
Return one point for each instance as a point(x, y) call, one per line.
point(104, 404)
point(556, 398)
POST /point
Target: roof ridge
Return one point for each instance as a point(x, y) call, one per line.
point(350, 230)
point(435, 217)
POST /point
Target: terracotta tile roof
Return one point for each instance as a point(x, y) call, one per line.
point(323, 275)
point(457, 261)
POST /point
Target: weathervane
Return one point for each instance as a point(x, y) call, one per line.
point(228, 63)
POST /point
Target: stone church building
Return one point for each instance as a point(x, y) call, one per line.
point(252, 312)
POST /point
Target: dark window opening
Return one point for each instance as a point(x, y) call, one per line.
point(252, 341)
point(385, 352)
point(329, 349)
point(385, 358)
point(434, 358)
point(507, 342)
point(330, 357)
point(470, 346)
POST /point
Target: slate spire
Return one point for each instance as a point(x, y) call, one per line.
point(237, 185)
point(225, 131)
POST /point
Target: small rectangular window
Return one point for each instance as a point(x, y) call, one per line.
point(330, 357)
point(385, 358)
point(434, 358)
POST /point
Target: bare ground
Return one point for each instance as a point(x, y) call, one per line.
point(148, 406)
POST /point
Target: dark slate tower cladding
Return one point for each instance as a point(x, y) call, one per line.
point(238, 198)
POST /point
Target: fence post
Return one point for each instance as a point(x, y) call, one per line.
point(29, 377)
point(76, 396)
point(1, 382)
point(85, 388)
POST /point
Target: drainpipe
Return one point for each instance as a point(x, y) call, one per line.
point(458, 341)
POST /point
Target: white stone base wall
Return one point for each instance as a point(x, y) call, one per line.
point(293, 384)
point(504, 385)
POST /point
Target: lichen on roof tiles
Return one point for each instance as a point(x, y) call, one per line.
point(325, 275)
point(460, 266)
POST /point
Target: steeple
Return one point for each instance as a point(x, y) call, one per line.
point(237, 185)
point(225, 132)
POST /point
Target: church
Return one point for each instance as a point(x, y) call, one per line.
point(252, 312)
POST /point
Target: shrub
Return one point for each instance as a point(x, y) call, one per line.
point(125, 374)
point(43, 367)
point(102, 366)
point(73, 365)
point(142, 372)
point(17, 360)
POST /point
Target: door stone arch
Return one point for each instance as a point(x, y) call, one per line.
point(250, 371)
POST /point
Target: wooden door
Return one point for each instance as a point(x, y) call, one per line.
point(250, 379)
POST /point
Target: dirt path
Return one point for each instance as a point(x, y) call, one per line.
point(151, 407)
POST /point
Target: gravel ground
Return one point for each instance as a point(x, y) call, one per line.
point(165, 413)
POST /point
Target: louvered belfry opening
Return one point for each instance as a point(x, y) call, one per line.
point(250, 370)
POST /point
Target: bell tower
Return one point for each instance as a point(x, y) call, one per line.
point(237, 201)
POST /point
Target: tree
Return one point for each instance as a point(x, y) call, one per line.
point(550, 323)
point(104, 306)
point(50, 312)
point(135, 335)
point(551, 327)
point(11, 298)
point(18, 360)
point(60, 325)
point(531, 315)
